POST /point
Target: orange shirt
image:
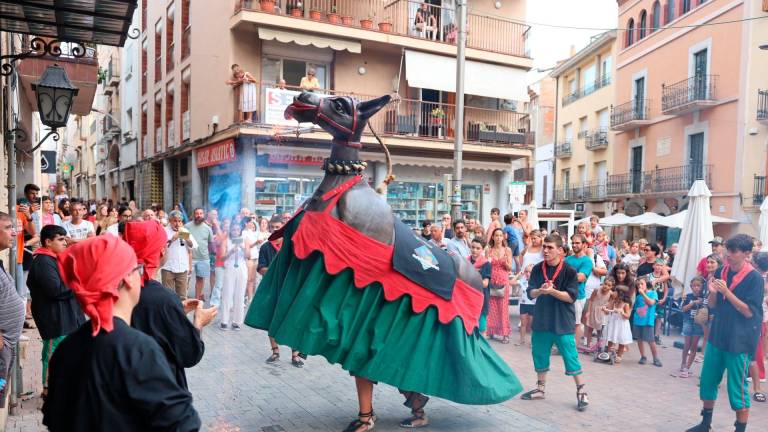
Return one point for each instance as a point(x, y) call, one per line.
point(21, 228)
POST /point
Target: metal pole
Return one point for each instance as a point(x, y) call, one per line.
point(461, 42)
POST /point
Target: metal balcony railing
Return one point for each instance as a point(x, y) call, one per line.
point(633, 110)
point(524, 175)
point(688, 91)
point(594, 190)
point(660, 180)
point(758, 194)
point(563, 150)
point(587, 90)
point(484, 32)
point(597, 139)
point(413, 119)
point(762, 105)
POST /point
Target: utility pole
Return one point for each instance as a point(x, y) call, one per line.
point(461, 43)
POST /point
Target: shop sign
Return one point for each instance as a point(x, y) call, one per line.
point(288, 159)
point(215, 154)
point(275, 104)
point(486, 188)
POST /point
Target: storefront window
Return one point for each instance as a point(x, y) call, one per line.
point(415, 202)
point(282, 194)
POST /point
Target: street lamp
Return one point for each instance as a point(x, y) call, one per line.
point(54, 96)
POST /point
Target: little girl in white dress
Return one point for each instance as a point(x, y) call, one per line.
point(617, 329)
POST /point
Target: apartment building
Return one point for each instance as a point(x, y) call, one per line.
point(582, 151)
point(541, 110)
point(686, 107)
point(196, 148)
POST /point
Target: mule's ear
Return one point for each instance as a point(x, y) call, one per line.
point(368, 108)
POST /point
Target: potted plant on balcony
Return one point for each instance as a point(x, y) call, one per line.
point(367, 22)
point(386, 25)
point(267, 5)
point(333, 16)
point(315, 14)
point(437, 115)
point(296, 9)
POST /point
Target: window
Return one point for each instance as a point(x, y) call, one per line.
point(655, 16)
point(144, 57)
point(144, 127)
point(590, 79)
point(170, 125)
point(643, 25)
point(158, 50)
point(292, 71)
point(185, 29)
point(568, 132)
point(630, 32)
point(566, 177)
point(583, 127)
point(670, 11)
point(158, 122)
point(606, 67)
point(170, 43)
point(685, 6)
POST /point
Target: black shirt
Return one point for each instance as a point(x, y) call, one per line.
point(644, 269)
point(267, 253)
point(160, 315)
point(731, 331)
point(54, 306)
point(550, 314)
point(116, 381)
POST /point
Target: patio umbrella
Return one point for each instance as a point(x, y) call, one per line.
point(695, 235)
point(615, 220)
point(647, 218)
point(764, 224)
point(533, 214)
point(677, 220)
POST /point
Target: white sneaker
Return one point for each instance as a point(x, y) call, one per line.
point(762, 380)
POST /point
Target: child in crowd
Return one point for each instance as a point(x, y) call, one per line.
point(692, 331)
point(596, 318)
point(526, 304)
point(601, 247)
point(644, 320)
point(617, 329)
point(662, 291)
point(483, 266)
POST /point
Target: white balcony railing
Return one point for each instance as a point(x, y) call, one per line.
point(185, 125)
point(171, 134)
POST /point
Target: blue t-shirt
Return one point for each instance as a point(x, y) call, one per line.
point(583, 265)
point(512, 239)
point(645, 315)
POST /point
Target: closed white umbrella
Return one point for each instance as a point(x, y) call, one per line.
point(764, 224)
point(533, 214)
point(695, 235)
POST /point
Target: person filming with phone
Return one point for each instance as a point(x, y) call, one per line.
point(178, 258)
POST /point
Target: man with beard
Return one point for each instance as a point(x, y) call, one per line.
point(554, 285)
point(201, 255)
point(459, 244)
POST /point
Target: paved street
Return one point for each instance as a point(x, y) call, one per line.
point(236, 391)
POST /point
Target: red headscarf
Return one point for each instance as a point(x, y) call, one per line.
point(147, 238)
point(93, 269)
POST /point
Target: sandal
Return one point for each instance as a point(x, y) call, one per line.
point(505, 340)
point(275, 355)
point(417, 420)
point(759, 397)
point(358, 425)
point(535, 394)
point(296, 361)
point(581, 398)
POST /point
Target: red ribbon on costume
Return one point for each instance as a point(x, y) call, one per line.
point(738, 277)
point(147, 238)
point(45, 251)
point(554, 276)
point(93, 269)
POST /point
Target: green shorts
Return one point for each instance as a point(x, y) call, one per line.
point(717, 361)
point(541, 347)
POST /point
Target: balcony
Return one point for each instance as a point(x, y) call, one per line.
point(113, 73)
point(595, 190)
point(762, 106)
point(563, 150)
point(586, 90)
point(688, 95)
point(411, 119)
point(660, 181)
point(158, 139)
point(170, 124)
point(82, 72)
point(186, 40)
point(145, 145)
point(758, 194)
point(630, 115)
point(524, 175)
point(395, 18)
point(158, 68)
point(597, 140)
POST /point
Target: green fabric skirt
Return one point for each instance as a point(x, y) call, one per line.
point(304, 307)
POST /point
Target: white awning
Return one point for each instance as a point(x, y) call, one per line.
point(307, 39)
point(438, 72)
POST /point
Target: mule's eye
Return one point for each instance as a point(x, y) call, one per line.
point(338, 107)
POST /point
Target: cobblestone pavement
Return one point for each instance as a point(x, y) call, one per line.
point(235, 390)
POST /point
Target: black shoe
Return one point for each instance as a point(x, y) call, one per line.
point(235, 327)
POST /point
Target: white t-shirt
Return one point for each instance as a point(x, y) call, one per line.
point(113, 229)
point(177, 254)
point(79, 231)
point(594, 281)
point(631, 259)
point(524, 299)
point(531, 258)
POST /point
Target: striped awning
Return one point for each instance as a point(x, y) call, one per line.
point(304, 39)
point(103, 22)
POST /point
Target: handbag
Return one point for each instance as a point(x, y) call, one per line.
point(702, 316)
point(497, 290)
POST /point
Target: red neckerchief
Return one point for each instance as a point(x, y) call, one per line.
point(276, 244)
point(738, 277)
point(554, 276)
point(45, 251)
point(478, 262)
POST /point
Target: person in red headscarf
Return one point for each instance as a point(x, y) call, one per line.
point(160, 313)
point(107, 375)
